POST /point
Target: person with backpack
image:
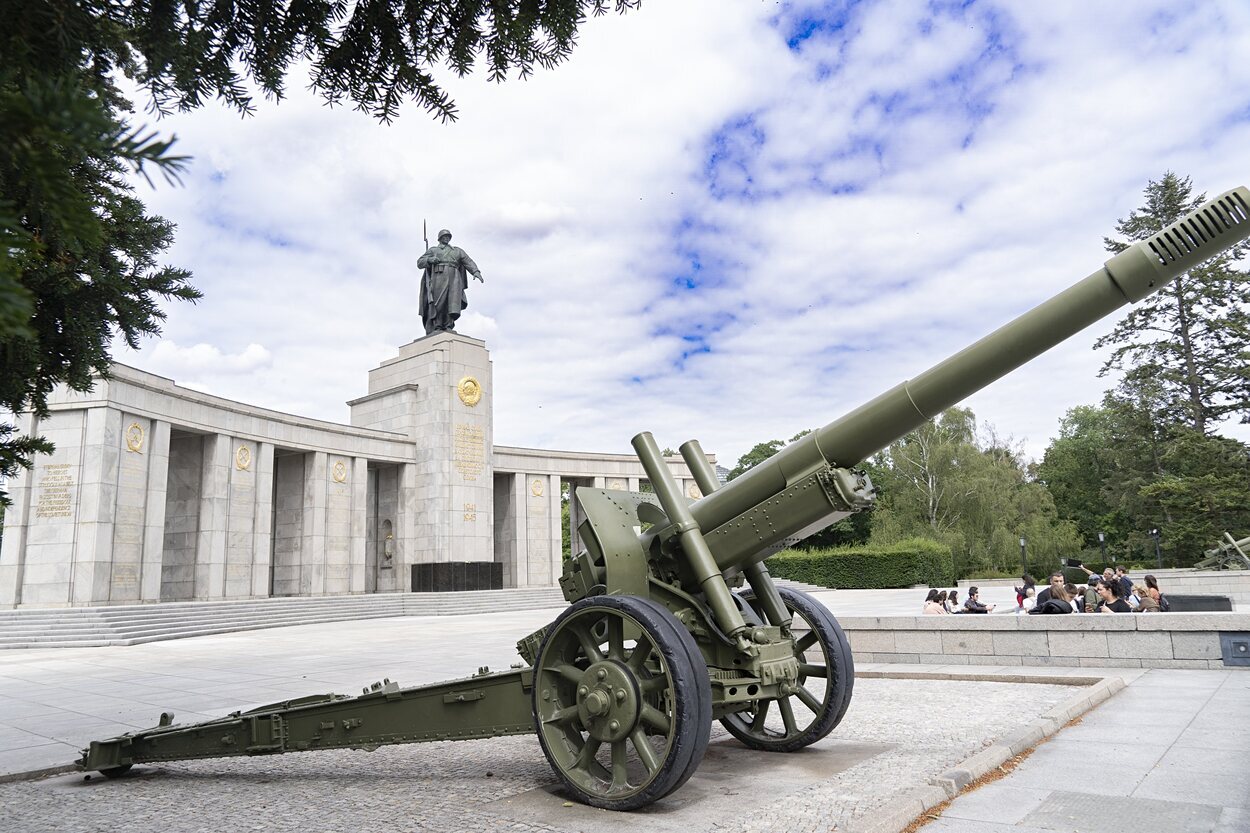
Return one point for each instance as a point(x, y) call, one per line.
point(1152, 589)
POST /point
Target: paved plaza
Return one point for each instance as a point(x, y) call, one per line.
point(1172, 738)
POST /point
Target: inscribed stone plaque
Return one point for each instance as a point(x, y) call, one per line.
point(469, 451)
point(55, 498)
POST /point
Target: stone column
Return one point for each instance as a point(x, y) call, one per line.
point(154, 514)
point(93, 555)
point(338, 547)
point(408, 522)
point(210, 541)
point(522, 564)
point(312, 573)
point(241, 517)
point(538, 526)
point(633, 482)
point(575, 520)
point(16, 523)
point(262, 531)
point(556, 530)
point(358, 536)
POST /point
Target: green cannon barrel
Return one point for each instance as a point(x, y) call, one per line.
point(737, 517)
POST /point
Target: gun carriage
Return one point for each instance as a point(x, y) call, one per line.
point(1229, 554)
point(660, 637)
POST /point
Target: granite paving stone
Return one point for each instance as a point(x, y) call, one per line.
point(898, 734)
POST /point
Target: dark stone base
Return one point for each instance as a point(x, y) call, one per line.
point(451, 576)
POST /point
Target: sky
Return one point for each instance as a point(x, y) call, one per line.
point(720, 219)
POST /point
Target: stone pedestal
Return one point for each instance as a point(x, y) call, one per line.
point(438, 392)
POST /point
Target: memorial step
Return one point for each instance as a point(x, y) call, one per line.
point(134, 624)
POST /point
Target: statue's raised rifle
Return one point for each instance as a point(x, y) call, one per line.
point(657, 642)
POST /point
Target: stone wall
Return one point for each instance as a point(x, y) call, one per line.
point(1164, 640)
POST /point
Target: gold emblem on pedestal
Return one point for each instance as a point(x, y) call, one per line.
point(243, 458)
point(469, 390)
point(339, 472)
point(536, 488)
point(134, 437)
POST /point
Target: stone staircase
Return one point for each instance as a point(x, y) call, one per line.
point(89, 627)
point(84, 627)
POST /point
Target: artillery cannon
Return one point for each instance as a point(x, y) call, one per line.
point(1229, 554)
point(658, 641)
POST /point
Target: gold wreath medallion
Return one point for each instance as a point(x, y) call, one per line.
point(134, 437)
point(618, 485)
point(469, 390)
point(692, 491)
point(536, 488)
point(243, 458)
point(339, 472)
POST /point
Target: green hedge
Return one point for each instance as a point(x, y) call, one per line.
point(907, 563)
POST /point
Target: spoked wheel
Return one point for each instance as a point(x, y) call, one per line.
point(622, 701)
point(816, 705)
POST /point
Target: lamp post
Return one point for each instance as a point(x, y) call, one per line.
point(1024, 566)
point(1102, 546)
point(1154, 533)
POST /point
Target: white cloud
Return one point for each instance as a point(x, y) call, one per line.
point(167, 358)
point(849, 212)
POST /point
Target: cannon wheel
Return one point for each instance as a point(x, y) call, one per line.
point(813, 626)
point(622, 701)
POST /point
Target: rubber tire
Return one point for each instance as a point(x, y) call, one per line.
point(838, 690)
point(692, 698)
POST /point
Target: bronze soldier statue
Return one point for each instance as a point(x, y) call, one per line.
point(443, 283)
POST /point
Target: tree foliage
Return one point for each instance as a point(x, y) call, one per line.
point(970, 490)
point(1116, 469)
point(1147, 457)
point(1191, 339)
point(79, 256)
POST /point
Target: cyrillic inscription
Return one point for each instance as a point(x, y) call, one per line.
point(55, 499)
point(469, 451)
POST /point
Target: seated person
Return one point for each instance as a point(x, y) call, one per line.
point(1111, 601)
point(1028, 602)
point(1058, 602)
point(1092, 601)
point(1056, 580)
point(1146, 603)
point(973, 604)
point(931, 604)
point(1074, 598)
point(1126, 583)
point(1152, 589)
point(952, 602)
point(1027, 583)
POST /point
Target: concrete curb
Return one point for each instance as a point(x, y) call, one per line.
point(32, 774)
point(950, 783)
